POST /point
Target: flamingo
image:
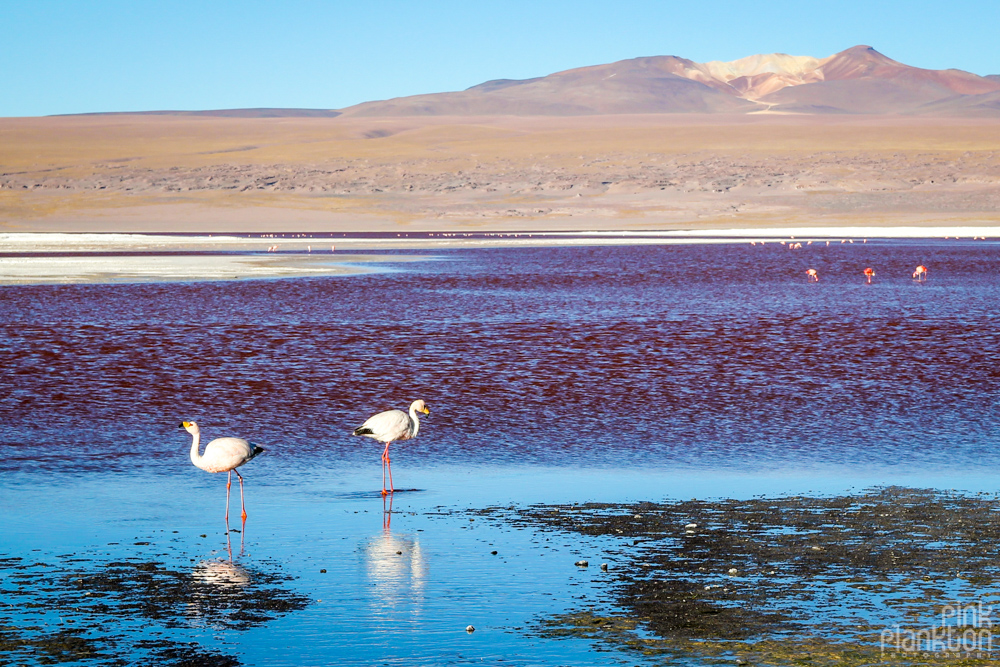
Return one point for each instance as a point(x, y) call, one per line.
point(921, 273)
point(390, 426)
point(869, 274)
point(813, 275)
point(222, 455)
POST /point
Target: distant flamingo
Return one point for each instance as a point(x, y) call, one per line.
point(869, 274)
point(921, 273)
point(813, 275)
point(222, 455)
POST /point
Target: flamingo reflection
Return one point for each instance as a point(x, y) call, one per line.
point(215, 584)
point(220, 573)
point(395, 566)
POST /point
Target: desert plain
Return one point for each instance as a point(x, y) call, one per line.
point(186, 173)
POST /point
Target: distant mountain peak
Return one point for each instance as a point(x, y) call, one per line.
point(772, 63)
point(857, 80)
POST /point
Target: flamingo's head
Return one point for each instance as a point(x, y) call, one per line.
point(190, 427)
point(420, 406)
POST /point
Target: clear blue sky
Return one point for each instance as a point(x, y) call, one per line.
point(131, 55)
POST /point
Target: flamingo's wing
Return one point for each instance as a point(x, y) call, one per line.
point(387, 426)
point(227, 453)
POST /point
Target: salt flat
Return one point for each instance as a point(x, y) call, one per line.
point(111, 268)
point(60, 258)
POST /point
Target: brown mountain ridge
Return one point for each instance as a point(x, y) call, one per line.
point(859, 80)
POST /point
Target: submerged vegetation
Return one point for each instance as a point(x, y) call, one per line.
point(127, 612)
point(893, 575)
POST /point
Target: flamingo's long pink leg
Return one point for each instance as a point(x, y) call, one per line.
point(243, 507)
point(388, 463)
point(385, 455)
point(229, 483)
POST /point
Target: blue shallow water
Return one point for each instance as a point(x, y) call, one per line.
point(553, 375)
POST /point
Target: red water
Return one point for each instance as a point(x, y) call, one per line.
point(712, 356)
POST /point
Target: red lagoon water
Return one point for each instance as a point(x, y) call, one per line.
point(714, 356)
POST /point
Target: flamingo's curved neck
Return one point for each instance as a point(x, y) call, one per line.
point(416, 421)
point(195, 456)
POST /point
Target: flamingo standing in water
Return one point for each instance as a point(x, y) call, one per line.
point(869, 274)
point(222, 455)
point(921, 273)
point(813, 275)
point(390, 426)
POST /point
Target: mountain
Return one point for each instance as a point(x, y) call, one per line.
point(862, 80)
point(859, 80)
point(986, 105)
point(640, 85)
point(228, 113)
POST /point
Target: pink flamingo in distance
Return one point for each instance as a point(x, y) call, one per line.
point(921, 273)
point(869, 274)
point(813, 275)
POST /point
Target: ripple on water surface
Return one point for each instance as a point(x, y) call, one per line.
point(715, 355)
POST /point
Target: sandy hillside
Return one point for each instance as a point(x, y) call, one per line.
point(656, 171)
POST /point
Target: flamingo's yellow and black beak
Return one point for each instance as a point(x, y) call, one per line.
point(427, 410)
point(184, 424)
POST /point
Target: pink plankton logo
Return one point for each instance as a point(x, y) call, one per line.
point(965, 631)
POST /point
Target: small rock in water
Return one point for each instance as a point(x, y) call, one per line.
point(322, 571)
point(469, 629)
point(399, 553)
point(636, 516)
point(733, 570)
point(581, 563)
point(691, 526)
point(604, 566)
point(494, 553)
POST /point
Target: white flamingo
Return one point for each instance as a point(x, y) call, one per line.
point(390, 426)
point(222, 455)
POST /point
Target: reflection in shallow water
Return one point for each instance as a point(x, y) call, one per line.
point(220, 573)
point(214, 579)
point(396, 568)
point(125, 609)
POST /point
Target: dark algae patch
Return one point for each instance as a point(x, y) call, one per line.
point(131, 611)
point(890, 576)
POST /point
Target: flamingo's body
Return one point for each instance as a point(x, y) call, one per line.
point(222, 455)
point(813, 275)
point(390, 426)
point(869, 274)
point(920, 273)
